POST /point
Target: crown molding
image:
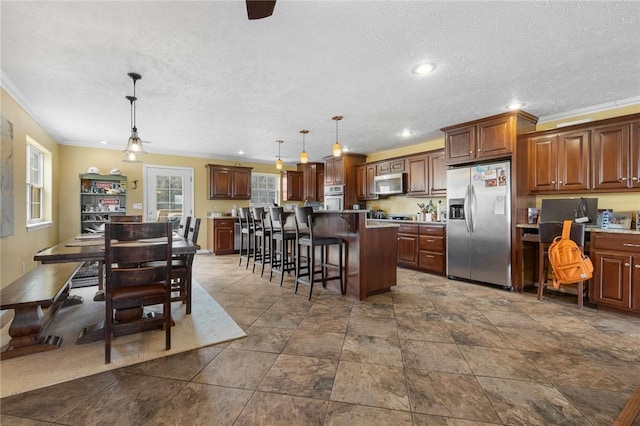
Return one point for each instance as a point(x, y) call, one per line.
point(591, 109)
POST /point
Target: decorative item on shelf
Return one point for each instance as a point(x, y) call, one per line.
point(115, 172)
point(337, 148)
point(134, 145)
point(532, 215)
point(279, 161)
point(304, 157)
point(93, 170)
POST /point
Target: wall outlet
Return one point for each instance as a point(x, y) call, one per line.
point(137, 206)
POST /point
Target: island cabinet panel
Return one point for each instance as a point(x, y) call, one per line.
point(616, 279)
point(486, 139)
point(229, 183)
point(559, 162)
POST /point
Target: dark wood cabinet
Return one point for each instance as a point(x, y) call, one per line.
point(229, 183)
point(312, 181)
point(408, 245)
point(427, 174)
point(559, 162)
point(616, 279)
point(396, 165)
point(364, 182)
point(431, 246)
point(616, 156)
point(342, 171)
point(292, 186)
point(489, 138)
point(220, 235)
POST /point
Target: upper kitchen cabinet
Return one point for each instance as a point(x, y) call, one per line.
point(312, 181)
point(334, 170)
point(427, 174)
point(365, 184)
point(292, 186)
point(342, 171)
point(396, 165)
point(559, 162)
point(490, 138)
point(616, 156)
point(229, 182)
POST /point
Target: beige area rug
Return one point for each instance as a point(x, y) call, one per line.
point(208, 324)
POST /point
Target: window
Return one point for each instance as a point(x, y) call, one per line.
point(38, 185)
point(265, 189)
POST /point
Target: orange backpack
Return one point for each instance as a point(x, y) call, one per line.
point(569, 264)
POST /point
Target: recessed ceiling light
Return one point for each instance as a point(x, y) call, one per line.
point(104, 142)
point(424, 68)
point(241, 152)
point(406, 133)
point(515, 105)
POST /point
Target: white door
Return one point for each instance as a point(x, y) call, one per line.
point(168, 193)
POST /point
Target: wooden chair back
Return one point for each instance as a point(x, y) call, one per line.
point(125, 218)
point(193, 230)
point(183, 226)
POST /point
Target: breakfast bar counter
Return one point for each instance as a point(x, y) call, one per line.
point(370, 253)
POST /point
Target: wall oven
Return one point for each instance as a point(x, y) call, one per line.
point(334, 197)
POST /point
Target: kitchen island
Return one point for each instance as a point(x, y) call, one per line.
point(369, 254)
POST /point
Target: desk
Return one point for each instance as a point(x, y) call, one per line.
point(74, 250)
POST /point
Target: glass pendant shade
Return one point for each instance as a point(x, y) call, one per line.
point(279, 163)
point(336, 149)
point(304, 157)
point(134, 147)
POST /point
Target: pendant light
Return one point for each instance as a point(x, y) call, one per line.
point(304, 157)
point(279, 161)
point(134, 145)
point(337, 148)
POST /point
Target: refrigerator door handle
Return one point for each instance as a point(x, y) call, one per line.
point(467, 208)
point(474, 206)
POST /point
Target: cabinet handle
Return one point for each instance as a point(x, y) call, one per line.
point(553, 182)
point(637, 266)
point(430, 256)
point(630, 245)
point(626, 264)
point(470, 152)
point(559, 182)
point(479, 149)
point(634, 178)
point(624, 179)
point(430, 241)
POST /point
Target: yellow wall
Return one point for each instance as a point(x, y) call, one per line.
point(17, 250)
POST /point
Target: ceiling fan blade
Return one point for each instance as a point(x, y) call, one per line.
point(258, 9)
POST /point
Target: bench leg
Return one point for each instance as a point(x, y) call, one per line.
point(25, 335)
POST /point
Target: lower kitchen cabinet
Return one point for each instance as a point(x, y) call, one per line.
point(220, 238)
point(422, 247)
point(431, 257)
point(408, 245)
point(616, 278)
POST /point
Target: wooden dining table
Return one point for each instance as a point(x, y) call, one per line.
point(90, 248)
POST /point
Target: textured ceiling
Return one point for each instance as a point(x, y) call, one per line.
point(214, 82)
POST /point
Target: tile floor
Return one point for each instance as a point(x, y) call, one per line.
point(430, 352)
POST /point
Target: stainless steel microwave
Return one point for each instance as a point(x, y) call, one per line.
point(393, 183)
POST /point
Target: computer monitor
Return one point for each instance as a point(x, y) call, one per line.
point(557, 210)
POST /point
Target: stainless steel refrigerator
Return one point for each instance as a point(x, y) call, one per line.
point(479, 223)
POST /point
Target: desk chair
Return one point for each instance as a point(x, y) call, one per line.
point(547, 231)
point(282, 256)
point(261, 238)
point(245, 230)
point(307, 238)
point(132, 284)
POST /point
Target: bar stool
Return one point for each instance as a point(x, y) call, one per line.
point(547, 231)
point(261, 239)
point(245, 230)
point(305, 237)
point(282, 258)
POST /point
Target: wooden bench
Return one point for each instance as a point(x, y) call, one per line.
point(36, 297)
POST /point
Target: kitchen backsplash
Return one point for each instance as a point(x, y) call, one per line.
point(402, 204)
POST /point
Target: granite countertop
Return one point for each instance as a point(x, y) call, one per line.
point(408, 222)
point(608, 230)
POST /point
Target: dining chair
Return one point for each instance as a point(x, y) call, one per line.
point(307, 238)
point(183, 226)
point(133, 281)
point(547, 231)
point(125, 218)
